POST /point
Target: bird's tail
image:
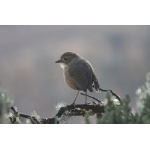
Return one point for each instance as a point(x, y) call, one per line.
point(95, 83)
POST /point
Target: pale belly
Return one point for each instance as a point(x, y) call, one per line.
point(71, 83)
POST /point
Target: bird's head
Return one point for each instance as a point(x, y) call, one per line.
point(66, 58)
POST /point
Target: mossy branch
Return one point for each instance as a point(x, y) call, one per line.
point(71, 110)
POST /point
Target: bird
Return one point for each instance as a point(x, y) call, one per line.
point(78, 73)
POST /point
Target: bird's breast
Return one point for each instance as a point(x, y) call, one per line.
point(69, 80)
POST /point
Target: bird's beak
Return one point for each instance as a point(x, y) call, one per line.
point(59, 61)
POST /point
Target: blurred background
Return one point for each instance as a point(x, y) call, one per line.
point(119, 54)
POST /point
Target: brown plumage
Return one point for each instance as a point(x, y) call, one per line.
point(78, 73)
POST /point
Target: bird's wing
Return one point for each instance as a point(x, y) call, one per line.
point(81, 73)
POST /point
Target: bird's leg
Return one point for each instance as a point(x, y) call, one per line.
point(75, 98)
point(86, 97)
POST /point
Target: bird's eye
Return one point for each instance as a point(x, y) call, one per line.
point(65, 58)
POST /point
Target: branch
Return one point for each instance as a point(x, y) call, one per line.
point(80, 109)
point(69, 110)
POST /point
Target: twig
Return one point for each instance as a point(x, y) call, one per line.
point(111, 91)
point(91, 97)
point(17, 114)
point(115, 95)
point(103, 90)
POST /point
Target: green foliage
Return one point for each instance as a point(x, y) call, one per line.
point(5, 102)
point(87, 118)
point(143, 94)
point(122, 113)
point(117, 114)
